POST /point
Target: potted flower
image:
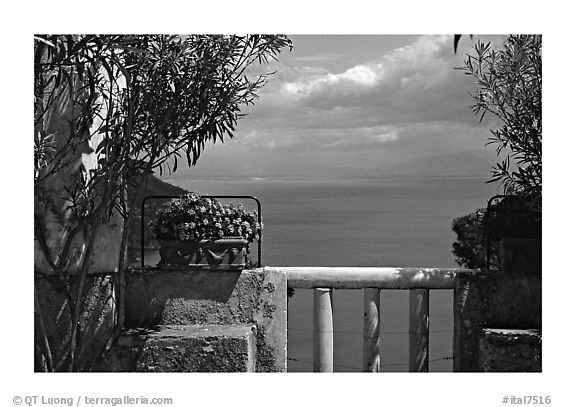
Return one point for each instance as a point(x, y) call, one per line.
point(204, 233)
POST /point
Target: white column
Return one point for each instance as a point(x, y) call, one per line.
point(419, 330)
point(371, 344)
point(322, 332)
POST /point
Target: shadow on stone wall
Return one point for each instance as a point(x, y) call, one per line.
point(194, 310)
point(492, 300)
point(96, 320)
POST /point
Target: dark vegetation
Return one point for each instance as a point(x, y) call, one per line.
point(509, 88)
point(510, 218)
point(145, 101)
point(152, 186)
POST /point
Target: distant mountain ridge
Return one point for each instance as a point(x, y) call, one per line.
point(153, 186)
point(453, 164)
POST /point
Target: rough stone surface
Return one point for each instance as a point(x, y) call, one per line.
point(96, 320)
point(174, 297)
point(272, 319)
point(220, 298)
point(184, 348)
point(511, 350)
point(492, 300)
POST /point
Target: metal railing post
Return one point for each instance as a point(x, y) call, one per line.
point(371, 344)
point(419, 330)
point(322, 332)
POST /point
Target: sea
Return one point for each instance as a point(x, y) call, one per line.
point(368, 222)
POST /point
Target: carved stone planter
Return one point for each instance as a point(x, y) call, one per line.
point(226, 253)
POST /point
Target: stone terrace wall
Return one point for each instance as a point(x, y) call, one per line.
point(157, 297)
point(494, 300)
point(96, 320)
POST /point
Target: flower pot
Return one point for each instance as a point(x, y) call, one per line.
point(226, 253)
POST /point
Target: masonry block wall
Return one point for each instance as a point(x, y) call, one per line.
point(202, 313)
point(492, 300)
point(511, 350)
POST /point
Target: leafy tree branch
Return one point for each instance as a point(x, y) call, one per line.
point(109, 109)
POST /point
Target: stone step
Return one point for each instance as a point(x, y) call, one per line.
point(511, 350)
point(184, 348)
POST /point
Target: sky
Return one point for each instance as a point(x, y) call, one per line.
point(349, 105)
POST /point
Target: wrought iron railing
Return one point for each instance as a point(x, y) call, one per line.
point(142, 208)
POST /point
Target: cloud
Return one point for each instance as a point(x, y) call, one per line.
point(405, 139)
point(418, 67)
point(352, 81)
point(363, 138)
point(320, 139)
point(411, 84)
point(329, 56)
point(406, 104)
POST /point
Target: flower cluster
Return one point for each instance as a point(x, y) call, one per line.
point(191, 217)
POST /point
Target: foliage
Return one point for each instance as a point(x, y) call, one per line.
point(470, 247)
point(508, 217)
point(456, 40)
point(510, 88)
point(135, 103)
point(511, 217)
point(150, 98)
point(192, 217)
